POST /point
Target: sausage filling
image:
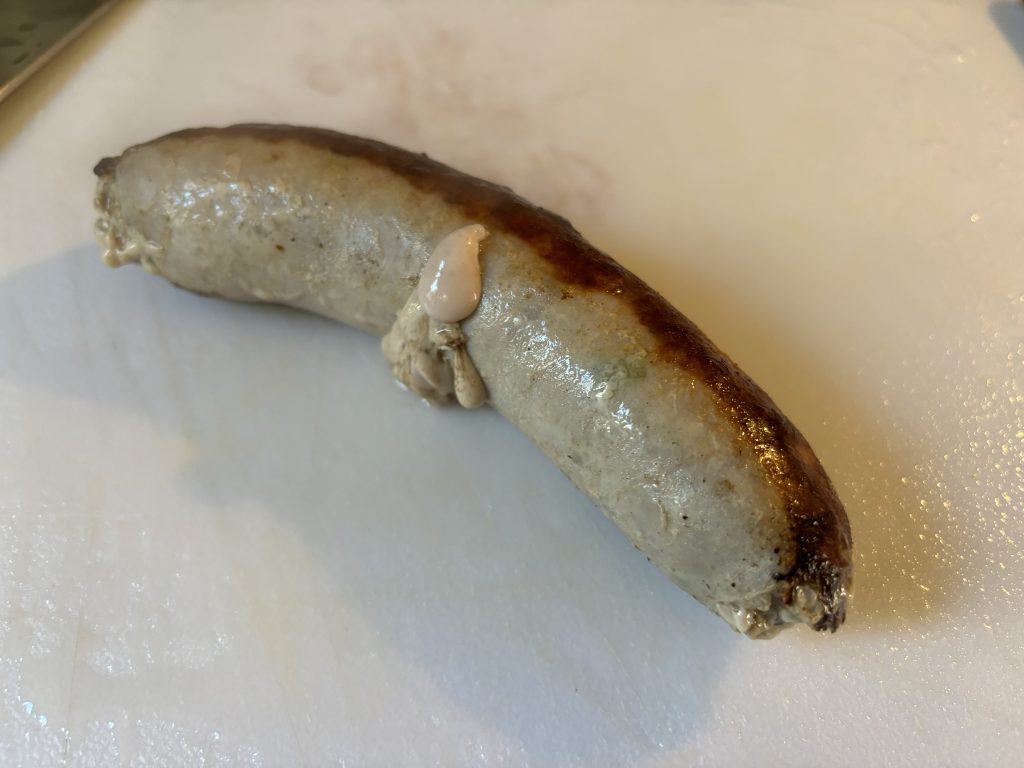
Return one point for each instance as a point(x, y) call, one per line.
point(426, 346)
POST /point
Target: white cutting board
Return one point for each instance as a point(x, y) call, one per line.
point(228, 539)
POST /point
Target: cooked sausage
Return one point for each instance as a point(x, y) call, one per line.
point(680, 449)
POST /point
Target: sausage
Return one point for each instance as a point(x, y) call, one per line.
point(688, 456)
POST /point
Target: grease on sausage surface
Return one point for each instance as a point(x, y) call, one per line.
point(680, 449)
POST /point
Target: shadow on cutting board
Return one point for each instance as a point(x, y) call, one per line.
point(1008, 16)
point(520, 602)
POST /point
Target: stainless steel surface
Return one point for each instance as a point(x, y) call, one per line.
point(33, 31)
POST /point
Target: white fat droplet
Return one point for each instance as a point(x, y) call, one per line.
point(450, 284)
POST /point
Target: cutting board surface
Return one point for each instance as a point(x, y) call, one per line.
point(228, 539)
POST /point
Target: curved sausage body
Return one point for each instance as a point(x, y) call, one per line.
point(680, 449)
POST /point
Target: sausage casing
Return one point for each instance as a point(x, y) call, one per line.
point(681, 450)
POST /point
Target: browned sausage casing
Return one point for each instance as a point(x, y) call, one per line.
point(680, 449)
